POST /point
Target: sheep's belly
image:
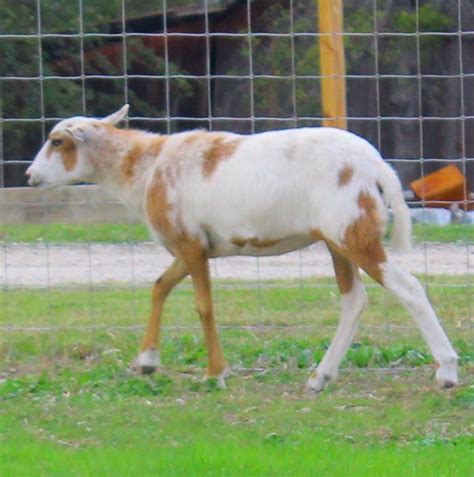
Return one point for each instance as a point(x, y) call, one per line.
point(256, 247)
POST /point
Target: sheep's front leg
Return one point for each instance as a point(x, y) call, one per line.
point(149, 358)
point(198, 265)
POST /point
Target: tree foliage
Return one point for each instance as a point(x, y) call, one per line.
point(288, 67)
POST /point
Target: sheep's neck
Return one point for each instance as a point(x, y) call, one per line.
point(125, 160)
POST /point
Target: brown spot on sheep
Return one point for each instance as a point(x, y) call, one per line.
point(157, 205)
point(341, 259)
point(345, 175)
point(254, 242)
point(216, 146)
point(156, 146)
point(344, 272)
point(137, 152)
point(159, 210)
point(222, 147)
point(361, 245)
point(363, 237)
point(239, 242)
point(67, 149)
point(317, 235)
point(130, 161)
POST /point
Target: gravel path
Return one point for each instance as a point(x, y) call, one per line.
point(43, 265)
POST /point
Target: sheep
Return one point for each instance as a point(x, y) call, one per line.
point(213, 194)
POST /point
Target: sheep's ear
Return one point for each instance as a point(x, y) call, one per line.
point(116, 117)
point(77, 133)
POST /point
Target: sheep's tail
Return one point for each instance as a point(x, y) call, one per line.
point(393, 197)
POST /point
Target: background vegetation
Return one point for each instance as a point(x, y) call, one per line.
point(126, 233)
point(276, 96)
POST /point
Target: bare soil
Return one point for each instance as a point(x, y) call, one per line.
point(51, 265)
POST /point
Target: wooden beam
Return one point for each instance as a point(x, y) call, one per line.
point(333, 66)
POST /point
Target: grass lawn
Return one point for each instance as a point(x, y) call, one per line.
point(119, 233)
point(70, 405)
point(97, 420)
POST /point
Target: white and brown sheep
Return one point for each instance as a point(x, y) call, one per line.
point(214, 194)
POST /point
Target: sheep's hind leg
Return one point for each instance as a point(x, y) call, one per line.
point(411, 294)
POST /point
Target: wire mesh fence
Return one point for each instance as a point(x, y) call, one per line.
point(236, 65)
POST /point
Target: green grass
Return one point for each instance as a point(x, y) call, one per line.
point(278, 323)
point(60, 233)
point(453, 233)
point(119, 233)
point(70, 405)
point(99, 420)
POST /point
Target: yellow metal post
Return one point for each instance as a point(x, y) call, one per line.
point(333, 66)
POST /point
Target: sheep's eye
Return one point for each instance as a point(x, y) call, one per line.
point(56, 142)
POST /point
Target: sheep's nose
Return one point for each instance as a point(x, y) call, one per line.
point(29, 174)
point(32, 181)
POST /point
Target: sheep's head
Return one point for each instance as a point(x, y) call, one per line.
point(62, 159)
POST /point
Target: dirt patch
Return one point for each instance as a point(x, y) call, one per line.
point(48, 265)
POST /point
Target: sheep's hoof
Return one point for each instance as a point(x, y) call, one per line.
point(317, 382)
point(218, 380)
point(148, 361)
point(446, 384)
point(447, 375)
point(147, 369)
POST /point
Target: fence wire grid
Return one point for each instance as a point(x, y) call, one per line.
point(243, 66)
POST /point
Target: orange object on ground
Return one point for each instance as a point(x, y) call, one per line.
point(443, 188)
